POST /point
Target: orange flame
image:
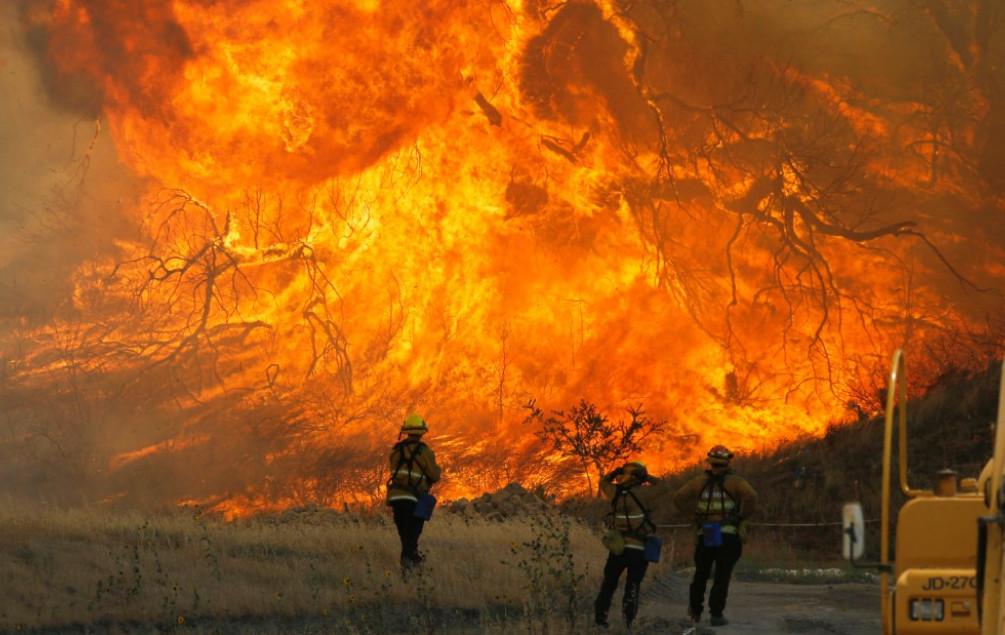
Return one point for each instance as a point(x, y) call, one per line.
point(369, 206)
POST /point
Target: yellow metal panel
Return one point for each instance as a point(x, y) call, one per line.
point(994, 590)
point(955, 588)
point(993, 622)
point(934, 532)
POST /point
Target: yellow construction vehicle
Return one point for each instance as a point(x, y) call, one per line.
point(934, 569)
point(990, 553)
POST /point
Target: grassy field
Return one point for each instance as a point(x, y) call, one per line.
point(309, 571)
point(318, 571)
point(314, 571)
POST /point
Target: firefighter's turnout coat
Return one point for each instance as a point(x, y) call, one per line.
point(718, 497)
point(413, 471)
point(632, 508)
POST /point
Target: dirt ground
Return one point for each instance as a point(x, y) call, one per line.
point(755, 608)
point(766, 608)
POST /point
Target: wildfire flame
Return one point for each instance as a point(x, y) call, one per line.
point(359, 208)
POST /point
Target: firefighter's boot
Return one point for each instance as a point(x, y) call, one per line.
point(600, 619)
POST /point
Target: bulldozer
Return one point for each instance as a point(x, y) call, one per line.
point(991, 532)
point(930, 584)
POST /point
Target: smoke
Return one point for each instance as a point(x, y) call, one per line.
point(139, 45)
point(344, 101)
point(727, 211)
point(64, 188)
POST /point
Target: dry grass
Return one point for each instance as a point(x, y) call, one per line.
point(321, 572)
point(314, 572)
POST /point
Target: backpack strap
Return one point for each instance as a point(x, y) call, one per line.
point(711, 482)
point(409, 463)
point(397, 468)
point(646, 520)
point(609, 517)
point(622, 493)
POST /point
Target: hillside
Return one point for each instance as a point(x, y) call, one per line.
point(808, 480)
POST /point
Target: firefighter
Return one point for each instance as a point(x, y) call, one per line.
point(721, 502)
point(413, 471)
point(632, 493)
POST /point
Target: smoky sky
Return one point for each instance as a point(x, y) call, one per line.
point(62, 187)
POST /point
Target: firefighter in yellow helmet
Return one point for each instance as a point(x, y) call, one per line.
point(413, 471)
point(633, 494)
point(721, 503)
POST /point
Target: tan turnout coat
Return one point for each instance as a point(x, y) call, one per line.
point(413, 471)
point(729, 504)
point(633, 506)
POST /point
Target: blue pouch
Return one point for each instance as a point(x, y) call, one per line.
point(654, 546)
point(424, 508)
point(711, 534)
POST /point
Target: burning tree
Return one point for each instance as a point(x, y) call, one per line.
point(586, 435)
point(738, 208)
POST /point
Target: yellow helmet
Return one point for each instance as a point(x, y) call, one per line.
point(414, 424)
point(636, 469)
point(719, 456)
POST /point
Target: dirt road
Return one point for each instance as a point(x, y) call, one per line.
point(768, 608)
point(755, 608)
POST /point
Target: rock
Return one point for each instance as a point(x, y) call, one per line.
point(511, 501)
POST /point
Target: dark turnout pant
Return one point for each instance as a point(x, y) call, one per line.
point(635, 561)
point(724, 558)
point(409, 530)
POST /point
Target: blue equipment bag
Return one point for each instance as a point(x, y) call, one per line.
point(654, 545)
point(711, 534)
point(424, 508)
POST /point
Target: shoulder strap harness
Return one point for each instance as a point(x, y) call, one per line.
point(408, 461)
point(710, 483)
point(622, 493)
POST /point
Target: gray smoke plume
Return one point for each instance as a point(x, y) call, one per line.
point(62, 188)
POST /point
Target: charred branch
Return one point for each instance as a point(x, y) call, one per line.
point(491, 112)
point(556, 145)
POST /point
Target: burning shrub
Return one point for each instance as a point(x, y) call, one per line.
point(727, 211)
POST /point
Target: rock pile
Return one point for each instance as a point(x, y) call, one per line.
point(317, 515)
point(511, 501)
